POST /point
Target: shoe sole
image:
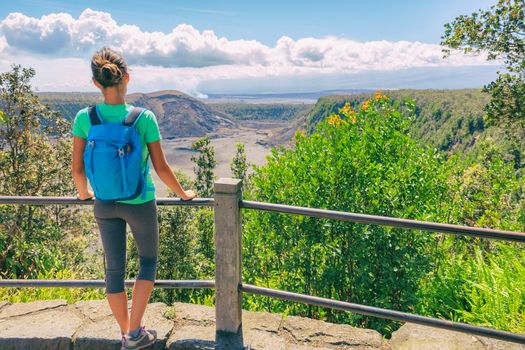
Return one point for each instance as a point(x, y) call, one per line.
point(142, 347)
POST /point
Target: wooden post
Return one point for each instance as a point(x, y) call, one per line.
point(228, 297)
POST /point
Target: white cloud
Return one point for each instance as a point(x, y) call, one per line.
point(185, 57)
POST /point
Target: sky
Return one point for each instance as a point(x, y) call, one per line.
point(243, 46)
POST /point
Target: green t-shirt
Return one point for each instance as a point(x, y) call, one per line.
point(147, 127)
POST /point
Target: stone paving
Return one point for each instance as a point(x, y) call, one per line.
point(55, 325)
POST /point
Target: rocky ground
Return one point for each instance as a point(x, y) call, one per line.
point(253, 134)
point(89, 325)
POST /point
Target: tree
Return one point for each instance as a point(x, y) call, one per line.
point(34, 161)
point(239, 164)
point(500, 32)
point(204, 166)
point(203, 219)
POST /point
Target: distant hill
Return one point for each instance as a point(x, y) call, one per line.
point(178, 114)
point(261, 111)
point(284, 97)
point(450, 120)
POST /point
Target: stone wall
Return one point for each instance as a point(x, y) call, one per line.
point(55, 325)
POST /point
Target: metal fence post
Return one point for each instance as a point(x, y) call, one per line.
point(228, 295)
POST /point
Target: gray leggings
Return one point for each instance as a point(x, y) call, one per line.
point(111, 218)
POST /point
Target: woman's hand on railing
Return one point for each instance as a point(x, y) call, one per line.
point(86, 196)
point(188, 195)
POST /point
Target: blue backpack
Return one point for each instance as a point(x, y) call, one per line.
point(113, 157)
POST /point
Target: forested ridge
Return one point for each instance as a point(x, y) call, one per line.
point(261, 111)
point(453, 121)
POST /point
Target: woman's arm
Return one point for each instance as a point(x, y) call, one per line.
point(164, 171)
point(79, 176)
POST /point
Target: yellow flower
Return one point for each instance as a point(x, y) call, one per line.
point(335, 119)
point(378, 96)
point(365, 105)
point(347, 109)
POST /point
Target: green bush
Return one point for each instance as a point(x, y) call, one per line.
point(357, 161)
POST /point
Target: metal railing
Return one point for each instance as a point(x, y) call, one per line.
point(228, 285)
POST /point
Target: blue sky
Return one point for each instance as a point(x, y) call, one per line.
point(267, 21)
point(229, 46)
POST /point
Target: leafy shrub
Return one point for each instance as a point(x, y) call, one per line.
point(357, 161)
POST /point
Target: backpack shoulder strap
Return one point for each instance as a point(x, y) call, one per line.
point(133, 116)
point(94, 118)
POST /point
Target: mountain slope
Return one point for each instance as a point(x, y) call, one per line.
point(178, 114)
point(446, 119)
point(449, 120)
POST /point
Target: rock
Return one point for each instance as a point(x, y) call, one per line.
point(101, 335)
point(93, 309)
point(154, 319)
point(412, 337)
point(494, 344)
point(323, 334)
point(262, 340)
point(50, 329)
point(261, 331)
point(198, 314)
point(4, 304)
point(104, 333)
point(261, 321)
point(192, 337)
point(19, 309)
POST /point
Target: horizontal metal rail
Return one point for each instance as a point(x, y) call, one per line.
point(180, 284)
point(44, 200)
point(385, 313)
point(387, 221)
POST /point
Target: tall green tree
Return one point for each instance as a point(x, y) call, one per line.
point(203, 219)
point(34, 161)
point(239, 164)
point(204, 166)
point(499, 32)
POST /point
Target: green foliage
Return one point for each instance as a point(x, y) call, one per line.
point(239, 164)
point(35, 161)
point(473, 285)
point(253, 111)
point(356, 162)
point(495, 289)
point(486, 191)
point(500, 32)
point(450, 120)
point(475, 280)
point(67, 104)
point(204, 166)
point(205, 246)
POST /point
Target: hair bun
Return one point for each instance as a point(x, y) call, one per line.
point(108, 67)
point(111, 72)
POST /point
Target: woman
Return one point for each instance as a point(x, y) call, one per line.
point(110, 75)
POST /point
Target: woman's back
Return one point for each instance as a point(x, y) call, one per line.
point(147, 126)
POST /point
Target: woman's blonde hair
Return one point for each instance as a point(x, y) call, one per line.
point(108, 67)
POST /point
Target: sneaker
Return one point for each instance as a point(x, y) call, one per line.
point(143, 340)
